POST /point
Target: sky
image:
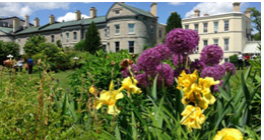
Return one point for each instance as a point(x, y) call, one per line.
point(66, 10)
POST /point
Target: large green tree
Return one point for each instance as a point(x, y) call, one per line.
point(256, 19)
point(33, 45)
point(92, 39)
point(7, 48)
point(174, 21)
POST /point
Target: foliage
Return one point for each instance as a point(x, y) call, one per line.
point(33, 45)
point(58, 43)
point(174, 21)
point(256, 18)
point(80, 46)
point(92, 39)
point(257, 36)
point(233, 59)
point(7, 48)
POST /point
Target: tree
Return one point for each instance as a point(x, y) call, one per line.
point(58, 43)
point(80, 46)
point(174, 21)
point(92, 39)
point(7, 48)
point(256, 19)
point(33, 45)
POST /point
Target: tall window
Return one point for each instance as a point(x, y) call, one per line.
point(196, 27)
point(52, 38)
point(205, 42)
point(151, 29)
point(67, 37)
point(61, 36)
point(216, 26)
point(117, 46)
point(226, 46)
point(216, 41)
point(131, 28)
point(117, 29)
point(226, 25)
point(74, 35)
point(186, 26)
point(131, 46)
point(205, 27)
point(160, 33)
point(107, 31)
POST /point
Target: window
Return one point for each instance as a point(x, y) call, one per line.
point(18, 41)
point(117, 11)
point(160, 33)
point(186, 26)
point(196, 27)
point(226, 59)
point(52, 38)
point(131, 46)
point(131, 28)
point(216, 41)
point(117, 29)
point(197, 49)
point(74, 35)
point(205, 42)
point(67, 37)
point(226, 42)
point(216, 26)
point(106, 30)
point(226, 25)
point(205, 27)
point(151, 29)
point(117, 46)
point(61, 36)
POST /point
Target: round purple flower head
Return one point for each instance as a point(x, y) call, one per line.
point(175, 59)
point(216, 89)
point(148, 60)
point(230, 67)
point(164, 51)
point(179, 40)
point(195, 37)
point(134, 70)
point(143, 80)
point(178, 71)
point(165, 74)
point(211, 71)
point(211, 55)
point(221, 70)
point(197, 65)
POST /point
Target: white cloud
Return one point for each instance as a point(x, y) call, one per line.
point(213, 8)
point(27, 8)
point(69, 16)
point(176, 3)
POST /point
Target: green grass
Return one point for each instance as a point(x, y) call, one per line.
point(235, 79)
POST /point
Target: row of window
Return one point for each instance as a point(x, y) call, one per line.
point(67, 37)
point(130, 46)
point(226, 43)
point(205, 26)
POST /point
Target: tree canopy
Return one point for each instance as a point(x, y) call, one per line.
point(256, 19)
point(7, 48)
point(92, 39)
point(174, 21)
point(33, 45)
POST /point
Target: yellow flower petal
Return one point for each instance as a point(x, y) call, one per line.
point(111, 86)
point(112, 109)
point(229, 134)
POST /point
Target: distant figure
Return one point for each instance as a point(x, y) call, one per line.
point(240, 61)
point(30, 63)
point(246, 58)
point(20, 64)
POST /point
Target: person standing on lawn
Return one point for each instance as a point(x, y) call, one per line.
point(246, 58)
point(30, 65)
point(240, 61)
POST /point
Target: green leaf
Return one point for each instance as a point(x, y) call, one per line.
point(154, 88)
point(117, 132)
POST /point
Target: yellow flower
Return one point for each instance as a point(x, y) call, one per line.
point(186, 80)
point(228, 134)
point(205, 84)
point(93, 90)
point(109, 98)
point(129, 84)
point(192, 117)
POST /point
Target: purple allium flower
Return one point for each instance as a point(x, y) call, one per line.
point(197, 65)
point(165, 74)
point(230, 67)
point(148, 60)
point(134, 70)
point(164, 51)
point(211, 71)
point(211, 55)
point(195, 37)
point(221, 69)
point(179, 40)
point(143, 80)
point(216, 89)
point(175, 59)
point(178, 71)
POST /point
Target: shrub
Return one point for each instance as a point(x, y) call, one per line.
point(33, 45)
point(233, 59)
point(80, 46)
point(7, 48)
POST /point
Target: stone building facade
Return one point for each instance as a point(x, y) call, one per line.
point(123, 27)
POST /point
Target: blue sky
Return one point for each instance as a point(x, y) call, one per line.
point(65, 10)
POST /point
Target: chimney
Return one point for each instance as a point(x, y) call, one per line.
point(36, 22)
point(78, 15)
point(247, 13)
point(16, 24)
point(153, 9)
point(206, 15)
point(197, 13)
point(93, 12)
point(51, 19)
point(26, 25)
point(236, 7)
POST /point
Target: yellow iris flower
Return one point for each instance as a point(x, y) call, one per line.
point(229, 134)
point(109, 98)
point(192, 117)
point(130, 84)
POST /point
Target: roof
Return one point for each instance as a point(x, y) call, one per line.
point(6, 30)
point(251, 47)
point(136, 10)
point(4, 18)
point(59, 25)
